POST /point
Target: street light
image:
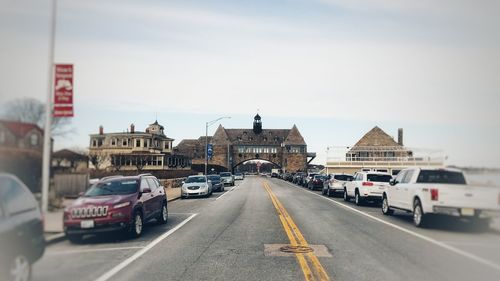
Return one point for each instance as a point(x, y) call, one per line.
point(207, 124)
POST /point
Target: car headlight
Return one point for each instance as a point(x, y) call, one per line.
point(121, 205)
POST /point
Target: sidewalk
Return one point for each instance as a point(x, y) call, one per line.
point(53, 224)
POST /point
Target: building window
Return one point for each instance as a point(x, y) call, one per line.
point(124, 142)
point(113, 142)
point(34, 140)
point(94, 143)
point(137, 143)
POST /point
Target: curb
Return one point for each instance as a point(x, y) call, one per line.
point(54, 238)
point(173, 199)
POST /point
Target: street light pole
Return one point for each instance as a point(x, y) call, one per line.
point(207, 124)
point(48, 115)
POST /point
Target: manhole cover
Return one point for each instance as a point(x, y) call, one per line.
point(296, 249)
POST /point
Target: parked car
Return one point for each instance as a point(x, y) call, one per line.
point(367, 186)
point(216, 182)
point(287, 177)
point(274, 175)
point(317, 182)
point(196, 186)
point(297, 177)
point(428, 191)
point(335, 184)
point(21, 229)
point(227, 178)
point(310, 176)
point(116, 204)
point(238, 176)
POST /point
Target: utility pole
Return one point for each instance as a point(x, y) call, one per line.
point(207, 124)
point(47, 145)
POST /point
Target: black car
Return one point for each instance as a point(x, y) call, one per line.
point(21, 229)
point(317, 182)
point(216, 182)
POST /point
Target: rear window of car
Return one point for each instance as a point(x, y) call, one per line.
point(437, 176)
point(225, 174)
point(378, 178)
point(115, 187)
point(214, 178)
point(343, 177)
point(320, 177)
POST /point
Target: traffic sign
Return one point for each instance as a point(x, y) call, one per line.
point(63, 90)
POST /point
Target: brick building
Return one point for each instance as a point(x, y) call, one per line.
point(284, 147)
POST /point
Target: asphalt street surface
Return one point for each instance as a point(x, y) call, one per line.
point(237, 234)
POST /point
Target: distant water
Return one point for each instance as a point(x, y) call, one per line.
point(490, 179)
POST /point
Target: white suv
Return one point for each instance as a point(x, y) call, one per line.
point(367, 186)
point(335, 184)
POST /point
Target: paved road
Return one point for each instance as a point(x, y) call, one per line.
point(235, 236)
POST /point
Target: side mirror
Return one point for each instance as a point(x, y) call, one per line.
point(146, 190)
point(393, 182)
point(183, 182)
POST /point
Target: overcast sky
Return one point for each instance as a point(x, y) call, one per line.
point(335, 68)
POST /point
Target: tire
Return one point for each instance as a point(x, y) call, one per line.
point(75, 238)
point(346, 197)
point(329, 193)
point(323, 191)
point(19, 269)
point(163, 216)
point(137, 225)
point(358, 199)
point(221, 188)
point(419, 218)
point(386, 209)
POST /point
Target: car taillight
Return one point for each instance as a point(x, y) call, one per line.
point(434, 194)
point(367, 183)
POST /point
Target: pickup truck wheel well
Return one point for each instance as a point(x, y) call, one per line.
point(415, 199)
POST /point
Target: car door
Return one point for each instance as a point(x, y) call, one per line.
point(405, 191)
point(394, 191)
point(158, 195)
point(147, 199)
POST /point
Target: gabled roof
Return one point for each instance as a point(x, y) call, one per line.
point(294, 137)
point(376, 137)
point(20, 129)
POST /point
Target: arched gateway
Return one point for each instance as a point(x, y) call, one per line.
point(283, 147)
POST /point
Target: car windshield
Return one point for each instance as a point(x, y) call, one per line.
point(320, 177)
point(437, 176)
point(214, 178)
point(238, 174)
point(343, 177)
point(195, 179)
point(116, 187)
point(379, 178)
point(225, 174)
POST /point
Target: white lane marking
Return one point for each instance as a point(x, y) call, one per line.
point(92, 250)
point(225, 193)
point(423, 237)
point(141, 252)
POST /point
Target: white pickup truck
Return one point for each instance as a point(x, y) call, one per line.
point(425, 191)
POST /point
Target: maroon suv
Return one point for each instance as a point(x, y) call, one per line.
point(116, 204)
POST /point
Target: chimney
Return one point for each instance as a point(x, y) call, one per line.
point(101, 130)
point(400, 136)
point(132, 128)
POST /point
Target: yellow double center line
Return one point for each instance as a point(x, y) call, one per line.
point(297, 239)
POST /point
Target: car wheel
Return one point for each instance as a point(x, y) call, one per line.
point(20, 269)
point(346, 197)
point(222, 188)
point(386, 210)
point(136, 225)
point(358, 199)
point(74, 238)
point(163, 217)
point(323, 191)
point(419, 218)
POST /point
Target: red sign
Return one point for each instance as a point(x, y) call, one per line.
point(63, 90)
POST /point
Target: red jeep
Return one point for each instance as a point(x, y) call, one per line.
point(116, 204)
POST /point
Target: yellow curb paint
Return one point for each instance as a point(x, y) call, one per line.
point(297, 239)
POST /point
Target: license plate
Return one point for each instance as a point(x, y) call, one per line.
point(467, 212)
point(87, 224)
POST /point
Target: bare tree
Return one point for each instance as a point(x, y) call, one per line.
point(117, 161)
point(31, 110)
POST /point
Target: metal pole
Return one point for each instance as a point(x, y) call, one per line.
point(206, 148)
point(48, 115)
